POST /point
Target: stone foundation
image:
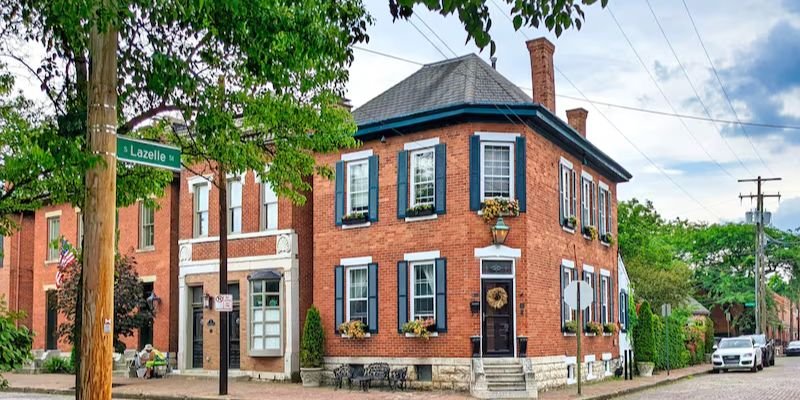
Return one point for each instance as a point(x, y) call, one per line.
point(551, 371)
point(446, 373)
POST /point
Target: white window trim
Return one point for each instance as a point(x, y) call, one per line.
point(605, 297)
point(571, 362)
point(195, 210)
point(265, 352)
point(603, 185)
point(354, 261)
point(421, 144)
point(348, 192)
point(348, 299)
point(233, 179)
point(357, 155)
point(199, 180)
point(605, 272)
point(412, 285)
point(566, 191)
point(52, 214)
point(47, 220)
point(567, 163)
point(589, 360)
point(570, 265)
point(588, 268)
point(236, 175)
point(511, 166)
point(567, 263)
point(263, 209)
point(412, 181)
point(498, 136)
point(587, 176)
point(142, 208)
point(420, 256)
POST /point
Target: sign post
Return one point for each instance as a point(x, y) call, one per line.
point(578, 295)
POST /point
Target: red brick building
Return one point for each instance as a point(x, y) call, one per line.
point(399, 234)
point(269, 275)
point(16, 274)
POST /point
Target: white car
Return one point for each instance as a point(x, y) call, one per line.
point(737, 353)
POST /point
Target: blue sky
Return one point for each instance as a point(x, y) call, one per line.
point(755, 47)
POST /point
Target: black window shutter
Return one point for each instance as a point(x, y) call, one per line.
point(611, 300)
point(586, 314)
point(338, 285)
point(441, 178)
point(402, 294)
point(520, 186)
point(339, 203)
point(475, 173)
point(402, 184)
point(596, 296)
point(372, 297)
point(563, 286)
point(373, 188)
point(441, 295)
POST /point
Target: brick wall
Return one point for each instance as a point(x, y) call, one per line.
point(16, 273)
point(456, 234)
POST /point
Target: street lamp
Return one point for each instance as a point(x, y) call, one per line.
point(500, 232)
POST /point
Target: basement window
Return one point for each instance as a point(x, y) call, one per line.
point(424, 373)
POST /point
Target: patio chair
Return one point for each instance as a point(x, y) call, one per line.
point(342, 373)
point(397, 378)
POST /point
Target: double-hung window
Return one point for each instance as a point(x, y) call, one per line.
point(604, 299)
point(269, 207)
point(53, 234)
point(422, 177)
point(604, 197)
point(566, 190)
point(568, 274)
point(266, 317)
point(623, 310)
point(201, 192)
point(423, 296)
point(79, 243)
point(146, 226)
point(357, 187)
point(235, 205)
point(590, 314)
point(357, 292)
point(497, 170)
point(588, 202)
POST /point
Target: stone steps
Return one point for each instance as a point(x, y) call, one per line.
point(505, 379)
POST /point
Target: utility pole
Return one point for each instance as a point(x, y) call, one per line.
point(224, 341)
point(760, 307)
point(98, 253)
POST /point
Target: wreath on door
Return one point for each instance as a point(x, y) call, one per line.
point(497, 298)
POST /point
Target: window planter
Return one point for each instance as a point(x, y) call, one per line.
point(354, 219)
point(593, 328)
point(420, 211)
point(570, 327)
point(353, 329)
point(493, 208)
point(607, 238)
point(590, 232)
point(569, 223)
point(422, 328)
point(609, 329)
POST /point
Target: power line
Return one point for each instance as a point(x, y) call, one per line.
point(725, 92)
point(669, 103)
point(428, 39)
point(435, 34)
point(379, 53)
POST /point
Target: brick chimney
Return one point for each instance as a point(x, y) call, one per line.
point(542, 72)
point(576, 118)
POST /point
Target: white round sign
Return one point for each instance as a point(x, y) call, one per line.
point(571, 294)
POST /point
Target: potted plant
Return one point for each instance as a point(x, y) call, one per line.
point(571, 327)
point(353, 329)
point(311, 349)
point(593, 327)
point(493, 208)
point(419, 328)
point(609, 328)
point(644, 341)
point(420, 210)
point(590, 232)
point(607, 238)
point(354, 218)
point(570, 222)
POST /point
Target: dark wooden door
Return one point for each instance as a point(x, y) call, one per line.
point(197, 337)
point(146, 330)
point(51, 325)
point(498, 318)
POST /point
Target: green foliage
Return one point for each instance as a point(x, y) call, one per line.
point(709, 334)
point(312, 345)
point(58, 365)
point(670, 346)
point(15, 341)
point(130, 307)
point(643, 335)
point(556, 15)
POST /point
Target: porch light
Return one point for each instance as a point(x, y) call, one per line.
point(500, 231)
point(153, 301)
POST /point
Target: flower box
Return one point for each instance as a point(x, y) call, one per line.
point(493, 208)
point(570, 327)
point(609, 329)
point(354, 218)
point(422, 328)
point(353, 329)
point(607, 238)
point(569, 223)
point(590, 232)
point(593, 328)
point(420, 211)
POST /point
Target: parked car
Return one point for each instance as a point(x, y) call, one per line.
point(767, 347)
point(793, 349)
point(737, 353)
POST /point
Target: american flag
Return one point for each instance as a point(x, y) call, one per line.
point(66, 259)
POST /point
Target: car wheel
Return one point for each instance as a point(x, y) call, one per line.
point(724, 370)
point(760, 367)
point(772, 361)
point(755, 368)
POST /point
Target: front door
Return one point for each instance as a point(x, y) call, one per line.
point(498, 317)
point(146, 329)
point(51, 325)
point(234, 333)
point(197, 327)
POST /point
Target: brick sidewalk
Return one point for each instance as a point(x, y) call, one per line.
point(612, 388)
point(180, 387)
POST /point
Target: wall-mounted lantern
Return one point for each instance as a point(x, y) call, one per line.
point(500, 232)
point(154, 302)
point(207, 301)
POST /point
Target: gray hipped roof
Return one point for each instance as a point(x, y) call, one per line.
point(463, 80)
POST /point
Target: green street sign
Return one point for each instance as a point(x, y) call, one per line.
point(148, 153)
point(750, 304)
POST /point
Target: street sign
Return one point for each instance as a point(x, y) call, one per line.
point(750, 304)
point(223, 302)
point(148, 153)
point(666, 310)
point(571, 294)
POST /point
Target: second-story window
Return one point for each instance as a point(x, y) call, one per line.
point(356, 201)
point(497, 168)
point(604, 197)
point(357, 187)
point(79, 243)
point(201, 209)
point(567, 194)
point(588, 202)
point(53, 234)
point(146, 227)
point(234, 205)
point(422, 177)
point(269, 207)
point(497, 165)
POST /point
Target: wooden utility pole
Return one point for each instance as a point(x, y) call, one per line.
point(224, 340)
point(98, 253)
point(760, 307)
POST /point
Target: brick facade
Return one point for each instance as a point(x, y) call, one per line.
point(16, 274)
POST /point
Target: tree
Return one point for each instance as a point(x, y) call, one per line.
point(312, 345)
point(556, 15)
point(131, 311)
point(643, 340)
point(15, 341)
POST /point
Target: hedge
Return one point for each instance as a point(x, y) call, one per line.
point(643, 340)
point(678, 354)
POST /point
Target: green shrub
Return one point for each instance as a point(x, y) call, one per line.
point(312, 345)
point(57, 365)
point(643, 341)
point(15, 341)
point(709, 336)
point(675, 348)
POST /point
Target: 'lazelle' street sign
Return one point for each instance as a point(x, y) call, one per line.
point(148, 153)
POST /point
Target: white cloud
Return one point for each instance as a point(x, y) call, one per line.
point(790, 101)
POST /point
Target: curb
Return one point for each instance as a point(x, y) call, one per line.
point(69, 392)
point(642, 388)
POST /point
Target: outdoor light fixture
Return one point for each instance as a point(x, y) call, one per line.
point(207, 301)
point(500, 232)
point(153, 301)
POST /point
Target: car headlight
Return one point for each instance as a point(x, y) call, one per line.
point(716, 356)
point(747, 355)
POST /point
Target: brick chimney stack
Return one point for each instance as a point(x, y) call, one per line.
point(542, 72)
point(576, 118)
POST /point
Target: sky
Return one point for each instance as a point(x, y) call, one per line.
point(688, 168)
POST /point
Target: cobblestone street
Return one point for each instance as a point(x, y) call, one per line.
point(774, 383)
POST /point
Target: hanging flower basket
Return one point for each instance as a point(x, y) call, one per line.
point(497, 298)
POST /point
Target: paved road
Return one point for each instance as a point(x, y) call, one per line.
point(774, 383)
point(32, 396)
